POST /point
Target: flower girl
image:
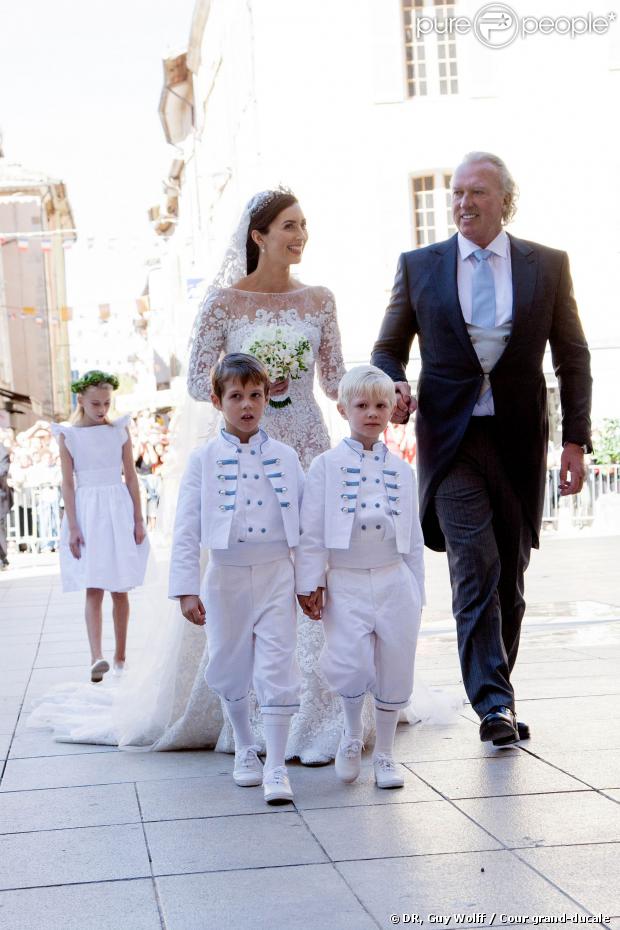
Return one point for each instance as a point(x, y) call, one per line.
point(103, 544)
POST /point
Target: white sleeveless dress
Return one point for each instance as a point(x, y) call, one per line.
point(110, 558)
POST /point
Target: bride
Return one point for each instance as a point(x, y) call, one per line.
point(255, 289)
point(164, 702)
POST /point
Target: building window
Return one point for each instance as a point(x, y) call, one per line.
point(432, 211)
point(430, 54)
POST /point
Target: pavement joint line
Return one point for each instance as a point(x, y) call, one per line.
point(571, 775)
point(160, 909)
point(552, 882)
point(343, 878)
point(312, 834)
point(27, 684)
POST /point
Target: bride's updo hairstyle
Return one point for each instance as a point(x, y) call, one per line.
point(269, 205)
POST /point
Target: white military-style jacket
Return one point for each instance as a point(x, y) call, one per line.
point(208, 499)
point(331, 505)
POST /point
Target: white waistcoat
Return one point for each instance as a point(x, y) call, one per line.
point(332, 505)
point(208, 500)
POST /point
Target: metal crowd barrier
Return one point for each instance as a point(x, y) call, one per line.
point(34, 521)
point(584, 509)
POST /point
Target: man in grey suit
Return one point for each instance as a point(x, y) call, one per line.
point(484, 305)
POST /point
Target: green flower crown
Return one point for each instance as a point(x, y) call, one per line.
point(92, 379)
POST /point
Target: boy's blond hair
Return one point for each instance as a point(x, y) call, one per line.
point(366, 380)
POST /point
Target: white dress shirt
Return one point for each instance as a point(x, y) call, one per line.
point(501, 267)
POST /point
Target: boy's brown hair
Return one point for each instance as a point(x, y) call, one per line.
point(240, 367)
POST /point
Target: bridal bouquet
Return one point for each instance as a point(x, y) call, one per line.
point(284, 351)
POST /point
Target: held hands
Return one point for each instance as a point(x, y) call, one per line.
point(278, 387)
point(312, 604)
point(572, 463)
point(76, 541)
point(193, 609)
point(405, 403)
point(139, 532)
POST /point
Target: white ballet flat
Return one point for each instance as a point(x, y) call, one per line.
point(98, 670)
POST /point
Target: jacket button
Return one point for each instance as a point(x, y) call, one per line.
point(260, 503)
point(263, 530)
point(250, 529)
point(378, 526)
point(363, 526)
point(363, 505)
point(363, 479)
point(244, 475)
point(248, 503)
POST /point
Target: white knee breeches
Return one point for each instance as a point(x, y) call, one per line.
point(251, 633)
point(371, 621)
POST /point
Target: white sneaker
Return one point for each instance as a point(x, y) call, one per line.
point(348, 761)
point(98, 669)
point(277, 787)
point(386, 774)
point(248, 770)
point(118, 668)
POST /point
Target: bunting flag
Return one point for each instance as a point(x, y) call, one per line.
point(67, 244)
point(66, 314)
point(46, 245)
point(22, 244)
point(104, 311)
point(29, 311)
point(143, 305)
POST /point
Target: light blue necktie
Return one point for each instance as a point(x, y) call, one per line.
point(483, 291)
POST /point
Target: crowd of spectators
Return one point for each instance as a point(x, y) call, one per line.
point(30, 479)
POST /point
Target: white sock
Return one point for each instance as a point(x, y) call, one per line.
point(239, 714)
point(353, 728)
point(385, 721)
point(276, 728)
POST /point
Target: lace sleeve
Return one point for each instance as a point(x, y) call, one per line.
point(208, 340)
point(330, 364)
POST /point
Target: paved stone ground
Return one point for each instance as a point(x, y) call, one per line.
point(91, 837)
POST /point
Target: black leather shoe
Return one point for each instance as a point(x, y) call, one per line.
point(523, 733)
point(524, 730)
point(499, 724)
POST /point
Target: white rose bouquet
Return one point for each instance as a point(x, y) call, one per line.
point(283, 350)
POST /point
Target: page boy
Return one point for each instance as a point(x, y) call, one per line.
point(239, 498)
point(359, 567)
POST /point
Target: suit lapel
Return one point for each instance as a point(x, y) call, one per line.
point(524, 271)
point(446, 283)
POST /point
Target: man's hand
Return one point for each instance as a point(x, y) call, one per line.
point(312, 604)
point(572, 463)
point(192, 609)
point(405, 403)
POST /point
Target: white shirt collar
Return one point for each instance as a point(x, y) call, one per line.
point(499, 246)
point(256, 439)
point(358, 447)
